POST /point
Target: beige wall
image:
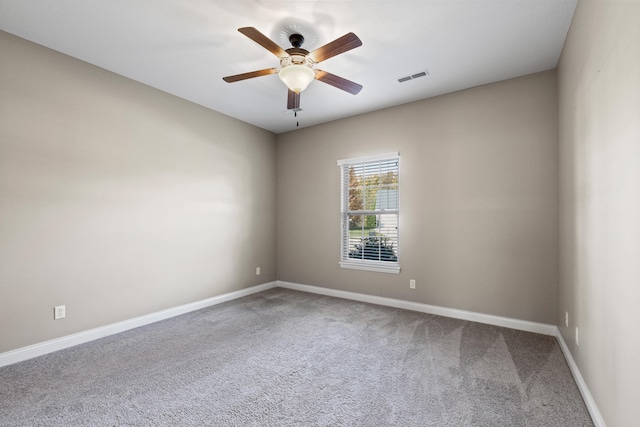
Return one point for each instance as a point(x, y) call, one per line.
point(599, 136)
point(478, 201)
point(118, 200)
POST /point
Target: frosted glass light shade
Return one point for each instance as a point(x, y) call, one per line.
point(297, 77)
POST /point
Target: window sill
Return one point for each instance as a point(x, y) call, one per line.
point(372, 266)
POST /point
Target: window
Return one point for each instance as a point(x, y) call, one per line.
point(370, 212)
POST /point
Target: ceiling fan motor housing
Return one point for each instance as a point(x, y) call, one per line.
point(297, 63)
point(296, 40)
point(296, 58)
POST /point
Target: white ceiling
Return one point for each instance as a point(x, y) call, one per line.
point(185, 47)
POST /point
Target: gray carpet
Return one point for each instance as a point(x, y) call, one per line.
point(286, 358)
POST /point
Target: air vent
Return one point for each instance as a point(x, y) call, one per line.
point(413, 76)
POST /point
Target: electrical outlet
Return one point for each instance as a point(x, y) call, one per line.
point(566, 319)
point(577, 336)
point(59, 312)
point(257, 271)
point(412, 284)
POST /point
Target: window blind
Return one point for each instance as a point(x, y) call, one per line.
point(370, 213)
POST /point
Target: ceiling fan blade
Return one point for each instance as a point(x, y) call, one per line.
point(293, 100)
point(339, 82)
point(252, 74)
point(347, 42)
point(263, 41)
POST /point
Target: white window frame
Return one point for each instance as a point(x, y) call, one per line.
point(363, 264)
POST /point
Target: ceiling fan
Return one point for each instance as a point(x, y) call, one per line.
point(297, 64)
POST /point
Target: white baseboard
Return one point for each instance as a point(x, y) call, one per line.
point(522, 325)
point(40, 349)
point(582, 385)
point(24, 353)
point(540, 328)
point(50, 346)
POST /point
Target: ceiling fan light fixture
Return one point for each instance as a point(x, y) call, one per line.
point(297, 76)
point(296, 63)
